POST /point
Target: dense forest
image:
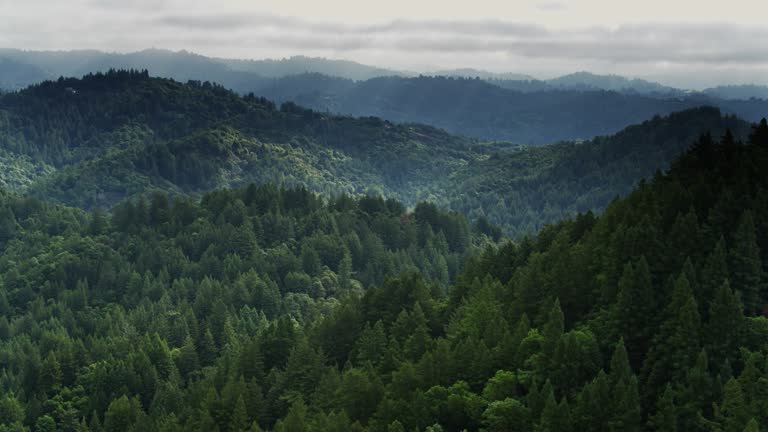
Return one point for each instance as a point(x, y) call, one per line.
point(523, 190)
point(190, 284)
point(262, 308)
point(95, 141)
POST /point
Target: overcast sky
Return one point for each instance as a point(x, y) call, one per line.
point(687, 43)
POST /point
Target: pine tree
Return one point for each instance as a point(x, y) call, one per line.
point(695, 393)
point(752, 382)
point(665, 417)
point(239, 420)
point(8, 227)
point(713, 273)
point(752, 426)
point(620, 368)
point(122, 414)
point(419, 340)
point(99, 222)
point(725, 330)
point(595, 404)
point(50, 373)
point(677, 343)
point(345, 271)
point(746, 266)
point(186, 358)
point(732, 414)
point(553, 329)
point(295, 420)
point(626, 402)
point(372, 344)
point(207, 348)
point(555, 417)
point(252, 360)
point(684, 240)
point(635, 310)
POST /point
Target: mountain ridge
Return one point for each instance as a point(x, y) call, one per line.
point(95, 141)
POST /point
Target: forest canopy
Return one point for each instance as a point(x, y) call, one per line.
point(269, 308)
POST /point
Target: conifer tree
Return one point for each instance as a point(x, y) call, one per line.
point(695, 393)
point(713, 273)
point(752, 426)
point(295, 420)
point(553, 329)
point(372, 344)
point(732, 414)
point(635, 310)
point(677, 343)
point(725, 329)
point(555, 417)
point(746, 266)
point(665, 417)
point(239, 420)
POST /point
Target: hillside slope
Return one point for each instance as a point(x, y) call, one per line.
point(94, 141)
point(263, 308)
point(523, 190)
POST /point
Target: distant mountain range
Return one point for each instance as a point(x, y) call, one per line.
point(95, 141)
point(469, 102)
point(478, 108)
point(738, 92)
point(20, 68)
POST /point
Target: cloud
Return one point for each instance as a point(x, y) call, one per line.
point(669, 43)
point(691, 50)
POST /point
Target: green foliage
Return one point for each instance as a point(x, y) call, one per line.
point(266, 308)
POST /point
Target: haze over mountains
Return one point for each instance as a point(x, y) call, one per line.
point(509, 107)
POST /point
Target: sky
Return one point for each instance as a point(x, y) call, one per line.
point(685, 43)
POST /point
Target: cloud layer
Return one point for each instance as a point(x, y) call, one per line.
point(698, 52)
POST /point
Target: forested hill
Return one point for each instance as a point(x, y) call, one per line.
point(269, 309)
point(523, 190)
point(670, 280)
point(106, 319)
point(95, 141)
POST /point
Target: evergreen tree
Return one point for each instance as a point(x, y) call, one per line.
point(746, 266)
point(553, 329)
point(665, 417)
point(8, 224)
point(677, 343)
point(372, 344)
point(555, 417)
point(752, 426)
point(123, 413)
point(635, 310)
point(713, 274)
point(732, 414)
point(295, 420)
point(725, 330)
point(239, 419)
